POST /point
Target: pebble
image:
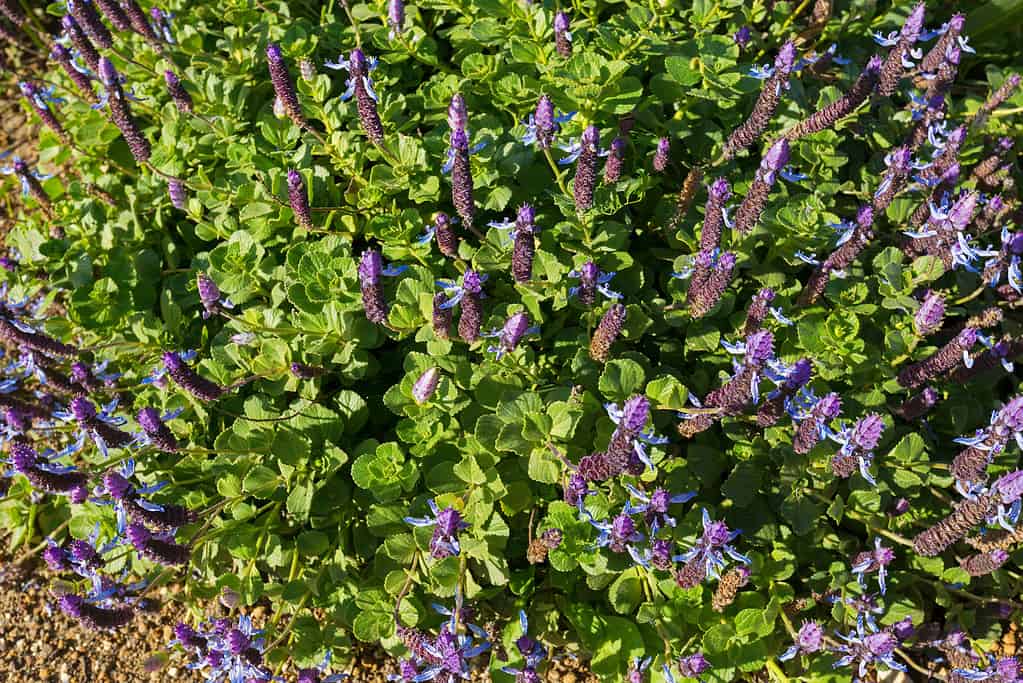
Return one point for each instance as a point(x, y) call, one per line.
point(34, 640)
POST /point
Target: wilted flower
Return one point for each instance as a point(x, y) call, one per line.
point(607, 332)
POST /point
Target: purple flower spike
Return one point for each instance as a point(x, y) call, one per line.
point(458, 113)
point(140, 23)
point(898, 163)
point(948, 39)
point(177, 91)
point(752, 207)
point(514, 329)
point(396, 17)
point(742, 37)
point(189, 380)
point(40, 101)
point(711, 276)
point(209, 296)
point(83, 46)
point(615, 159)
point(178, 194)
point(120, 112)
point(845, 105)
point(562, 36)
point(156, 431)
point(693, 665)
point(967, 514)
point(298, 198)
point(92, 616)
point(365, 97)
point(524, 247)
point(284, 87)
point(758, 311)
point(544, 122)
point(461, 176)
point(89, 19)
point(447, 524)
point(113, 12)
point(1004, 92)
point(608, 330)
point(867, 432)
point(586, 170)
point(809, 639)
point(371, 267)
point(447, 239)
point(763, 111)
point(663, 155)
point(426, 385)
point(929, 316)
point(42, 475)
point(943, 360)
point(983, 564)
point(714, 215)
point(894, 65)
point(1009, 487)
point(154, 548)
point(83, 83)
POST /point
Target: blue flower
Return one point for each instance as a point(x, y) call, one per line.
point(654, 507)
point(712, 547)
point(530, 123)
point(158, 376)
point(346, 65)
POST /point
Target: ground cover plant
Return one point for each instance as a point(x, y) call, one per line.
point(678, 336)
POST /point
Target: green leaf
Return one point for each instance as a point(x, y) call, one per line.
point(621, 379)
point(626, 592)
point(260, 480)
point(667, 393)
point(313, 543)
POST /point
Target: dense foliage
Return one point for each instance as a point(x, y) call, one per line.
point(356, 308)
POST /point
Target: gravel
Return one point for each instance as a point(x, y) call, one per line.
point(39, 643)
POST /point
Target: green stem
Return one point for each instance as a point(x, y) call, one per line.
point(354, 23)
point(557, 172)
point(776, 671)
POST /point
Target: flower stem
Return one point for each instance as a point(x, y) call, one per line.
point(557, 172)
